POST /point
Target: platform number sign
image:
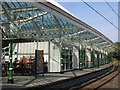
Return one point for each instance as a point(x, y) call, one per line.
point(39, 61)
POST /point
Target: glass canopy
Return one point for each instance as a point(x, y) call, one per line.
point(21, 20)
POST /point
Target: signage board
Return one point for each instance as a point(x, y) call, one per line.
point(39, 61)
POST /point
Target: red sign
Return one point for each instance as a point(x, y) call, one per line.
point(6, 58)
point(89, 62)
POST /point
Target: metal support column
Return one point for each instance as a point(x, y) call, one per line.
point(61, 61)
point(98, 59)
point(1, 56)
point(104, 58)
point(107, 60)
point(10, 77)
point(1, 53)
point(81, 59)
point(100, 56)
point(0, 44)
point(17, 51)
point(48, 56)
point(92, 59)
point(60, 42)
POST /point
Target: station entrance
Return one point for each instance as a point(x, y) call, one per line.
point(66, 56)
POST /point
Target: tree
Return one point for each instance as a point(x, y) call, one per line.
point(116, 53)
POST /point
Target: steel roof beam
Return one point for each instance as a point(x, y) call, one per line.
point(31, 18)
point(67, 16)
point(19, 10)
point(8, 14)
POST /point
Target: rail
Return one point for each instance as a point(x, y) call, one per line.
point(103, 80)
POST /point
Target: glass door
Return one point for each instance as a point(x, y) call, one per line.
point(66, 55)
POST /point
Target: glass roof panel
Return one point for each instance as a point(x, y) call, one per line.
point(3, 18)
point(10, 4)
point(48, 21)
point(23, 4)
point(16, 4)
point(38, 23)
point(5, 5)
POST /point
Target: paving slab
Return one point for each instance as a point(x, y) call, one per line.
point(31, 81)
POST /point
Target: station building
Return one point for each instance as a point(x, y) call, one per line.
point(67, 42)
point(66, 57)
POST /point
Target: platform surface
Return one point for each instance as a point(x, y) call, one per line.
point(31, 81)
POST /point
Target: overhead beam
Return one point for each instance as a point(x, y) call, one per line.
point(31, 18)
point(101, 44)
point(49, 7)
point(0, 44)
point(20, 10)
point(92, 39)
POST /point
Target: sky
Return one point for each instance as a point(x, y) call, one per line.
point(86, 14)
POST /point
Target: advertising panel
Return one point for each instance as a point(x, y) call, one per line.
point(39, 61)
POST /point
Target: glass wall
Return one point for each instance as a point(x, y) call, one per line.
point(66, 56)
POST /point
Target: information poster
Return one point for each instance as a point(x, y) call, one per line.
point(40, 61)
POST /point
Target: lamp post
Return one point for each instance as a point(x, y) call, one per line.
point(10, 18)
point(10, 76)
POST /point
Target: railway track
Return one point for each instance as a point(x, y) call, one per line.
point(69, 84)
point(103, 80)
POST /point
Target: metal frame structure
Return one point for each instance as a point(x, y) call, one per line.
point(48, 22)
